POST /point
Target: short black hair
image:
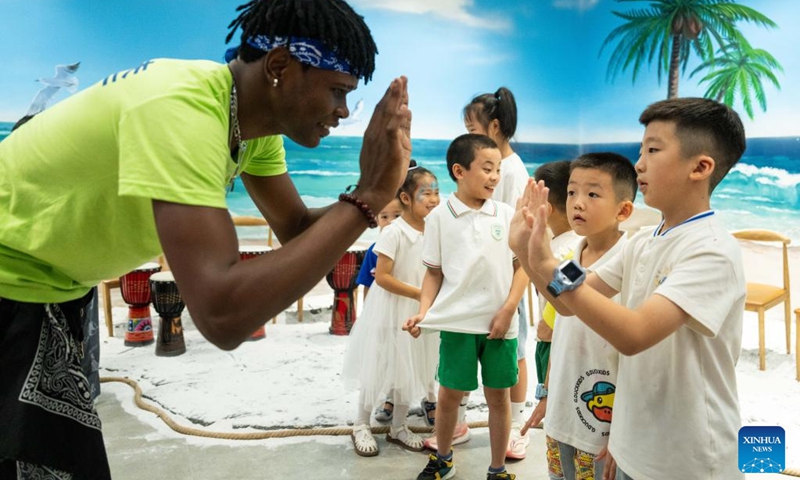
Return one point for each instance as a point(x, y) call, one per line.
point(499, 106)
point(556, 178)
point(704, 127)
point(332, 22)
point(623, 174)
point(462, 150)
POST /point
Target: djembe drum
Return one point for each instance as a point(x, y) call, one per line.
point(135, 287)
point(342, 279)
point(247, 252)
point(168, 303)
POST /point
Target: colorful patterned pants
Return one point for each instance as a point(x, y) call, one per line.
point(565, 462)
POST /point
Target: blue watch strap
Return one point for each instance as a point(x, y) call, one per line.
point(555, 288)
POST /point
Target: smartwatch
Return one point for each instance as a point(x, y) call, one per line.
point(541, 391)
point(567, 276)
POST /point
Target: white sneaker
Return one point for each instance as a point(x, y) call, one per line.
point(517, 443)
point(363, 441)
point(460, 435)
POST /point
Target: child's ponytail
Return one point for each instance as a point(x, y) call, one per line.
point(500, 106)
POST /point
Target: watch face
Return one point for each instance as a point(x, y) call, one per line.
point(572, 271)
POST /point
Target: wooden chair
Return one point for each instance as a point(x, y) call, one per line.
point(104, 289)
point(249, 221)
point(761, 297)
point(531, 296)
point(797, 342)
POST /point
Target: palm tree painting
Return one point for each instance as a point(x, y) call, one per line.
point(669, 31)
point(738, 72)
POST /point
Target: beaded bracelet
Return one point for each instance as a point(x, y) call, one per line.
point(368, 213)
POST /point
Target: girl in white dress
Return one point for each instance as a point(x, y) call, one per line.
point(380, 357)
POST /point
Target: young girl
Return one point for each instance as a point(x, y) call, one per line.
point(495, 115)
point(366, 277)
point(366, 274)
point(380, 357)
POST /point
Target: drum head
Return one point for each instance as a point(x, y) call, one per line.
point(162, 277)
point(147, 267)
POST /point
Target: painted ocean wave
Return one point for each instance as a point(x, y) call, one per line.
point(762, 191)
point(324, 173)
point(768, 175)
point(768, 185)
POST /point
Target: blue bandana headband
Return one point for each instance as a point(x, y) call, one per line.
point(305, 50)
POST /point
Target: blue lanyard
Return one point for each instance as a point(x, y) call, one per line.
point(690, 219)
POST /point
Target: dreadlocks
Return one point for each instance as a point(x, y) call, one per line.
point(333, 22)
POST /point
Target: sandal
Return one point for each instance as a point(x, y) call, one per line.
point(428, 412)
point(363, 441)
point(406, 439)
point(384, 414)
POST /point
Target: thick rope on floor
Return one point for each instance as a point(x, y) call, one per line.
point(289, 432)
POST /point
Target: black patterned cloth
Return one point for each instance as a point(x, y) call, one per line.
point(50, 428)
point(91, 344)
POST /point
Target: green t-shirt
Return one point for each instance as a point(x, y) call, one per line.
point(77, 181)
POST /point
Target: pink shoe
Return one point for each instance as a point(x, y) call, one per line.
point(517, 444)
point(461, 435)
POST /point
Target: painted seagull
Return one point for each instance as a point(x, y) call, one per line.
point(65, 78)
point(355, 115)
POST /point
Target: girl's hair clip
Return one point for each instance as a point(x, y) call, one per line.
point(412, 165)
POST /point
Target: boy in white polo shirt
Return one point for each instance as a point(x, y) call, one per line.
point(679, 328)
point(470, 294)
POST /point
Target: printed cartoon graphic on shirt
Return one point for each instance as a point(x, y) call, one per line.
point(594, 406)
point(600, 400)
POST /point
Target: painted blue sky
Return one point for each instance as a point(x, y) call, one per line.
point(546, 52)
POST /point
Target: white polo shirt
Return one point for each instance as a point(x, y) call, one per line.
point(676, 409)
point(471, 248)
point(513, 180)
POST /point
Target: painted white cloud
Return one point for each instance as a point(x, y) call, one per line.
point(455, 10)
point(575, 4)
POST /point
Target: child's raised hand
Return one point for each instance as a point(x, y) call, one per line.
point(411, 325)
point(519, 231)
point(535, 215)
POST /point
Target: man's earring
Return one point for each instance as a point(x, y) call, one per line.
point(274, 82)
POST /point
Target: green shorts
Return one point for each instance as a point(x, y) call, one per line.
point(542, 359)
point(459, 354)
